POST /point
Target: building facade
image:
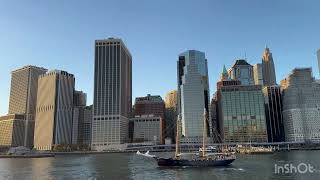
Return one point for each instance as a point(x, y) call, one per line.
point(86, 127)
point(258, 74)
point(193, 95)
point(54, 110)
point(149, 105)
point(171, 99)
point(79, 105)
point(318, 56)
point(171, 115)
point(23, 97)
point(268, 70)
point(242, 71)
point(301, 106)
point(242, 114)
point(112, 102)
point(216, 134)
point(147, 128)
point(273, 106)
point(79, 98)
point(13, 129)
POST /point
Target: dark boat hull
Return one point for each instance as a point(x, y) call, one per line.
point(185, 162)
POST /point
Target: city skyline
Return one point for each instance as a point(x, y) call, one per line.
point(213, 42)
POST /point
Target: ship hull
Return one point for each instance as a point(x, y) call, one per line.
point(185, 162)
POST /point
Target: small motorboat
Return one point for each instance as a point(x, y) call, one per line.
point(147, 154)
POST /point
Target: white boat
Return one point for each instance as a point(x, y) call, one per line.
point(147, 154)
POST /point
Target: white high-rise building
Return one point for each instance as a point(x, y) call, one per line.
point(193, 95)
point(112, 94)
point(301, 106)
point(258, 74)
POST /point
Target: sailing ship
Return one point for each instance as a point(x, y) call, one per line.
point(202, 158)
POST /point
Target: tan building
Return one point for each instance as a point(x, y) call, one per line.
point(13, 130)
point(23, 92)
point(268, 69)
point(171, 114)
point(23, 97)
point(171, 99)
point(54, 110)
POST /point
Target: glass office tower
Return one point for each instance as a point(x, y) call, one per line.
point(242, 114)
point(193, 95)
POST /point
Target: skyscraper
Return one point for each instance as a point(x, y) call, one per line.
point(241, 113)
point(79, 105)
point(171, 114)
point(193, 95)
point(273, 106)
point(54, 110)
point(268, 70)
point(301, 106)
point(112, 101)
point(242, 71)
point(318, 55)
point(215, 121)
point(23, 97)
point(216, 124)
point(171, 99)
point(258, 74)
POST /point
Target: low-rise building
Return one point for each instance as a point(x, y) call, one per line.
point(13, 127)
point(147, 128)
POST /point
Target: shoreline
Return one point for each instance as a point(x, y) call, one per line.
point(110, 152)
point(54, 154)
point(27, 156)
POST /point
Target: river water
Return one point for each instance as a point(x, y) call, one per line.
point(117, 166)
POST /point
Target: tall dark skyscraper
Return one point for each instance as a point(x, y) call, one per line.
point(268, 70)
point(112, 94)
point(273, 107)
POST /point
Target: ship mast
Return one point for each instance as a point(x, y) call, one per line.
point(177, 137)
point(204, 133)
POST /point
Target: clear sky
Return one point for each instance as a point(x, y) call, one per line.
point(60, 34)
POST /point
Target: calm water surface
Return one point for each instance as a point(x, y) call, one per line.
point(129, 166)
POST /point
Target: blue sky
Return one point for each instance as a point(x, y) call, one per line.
point(60, 34)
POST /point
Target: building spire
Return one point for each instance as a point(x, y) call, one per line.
point(224, 74)
point(224, 71)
